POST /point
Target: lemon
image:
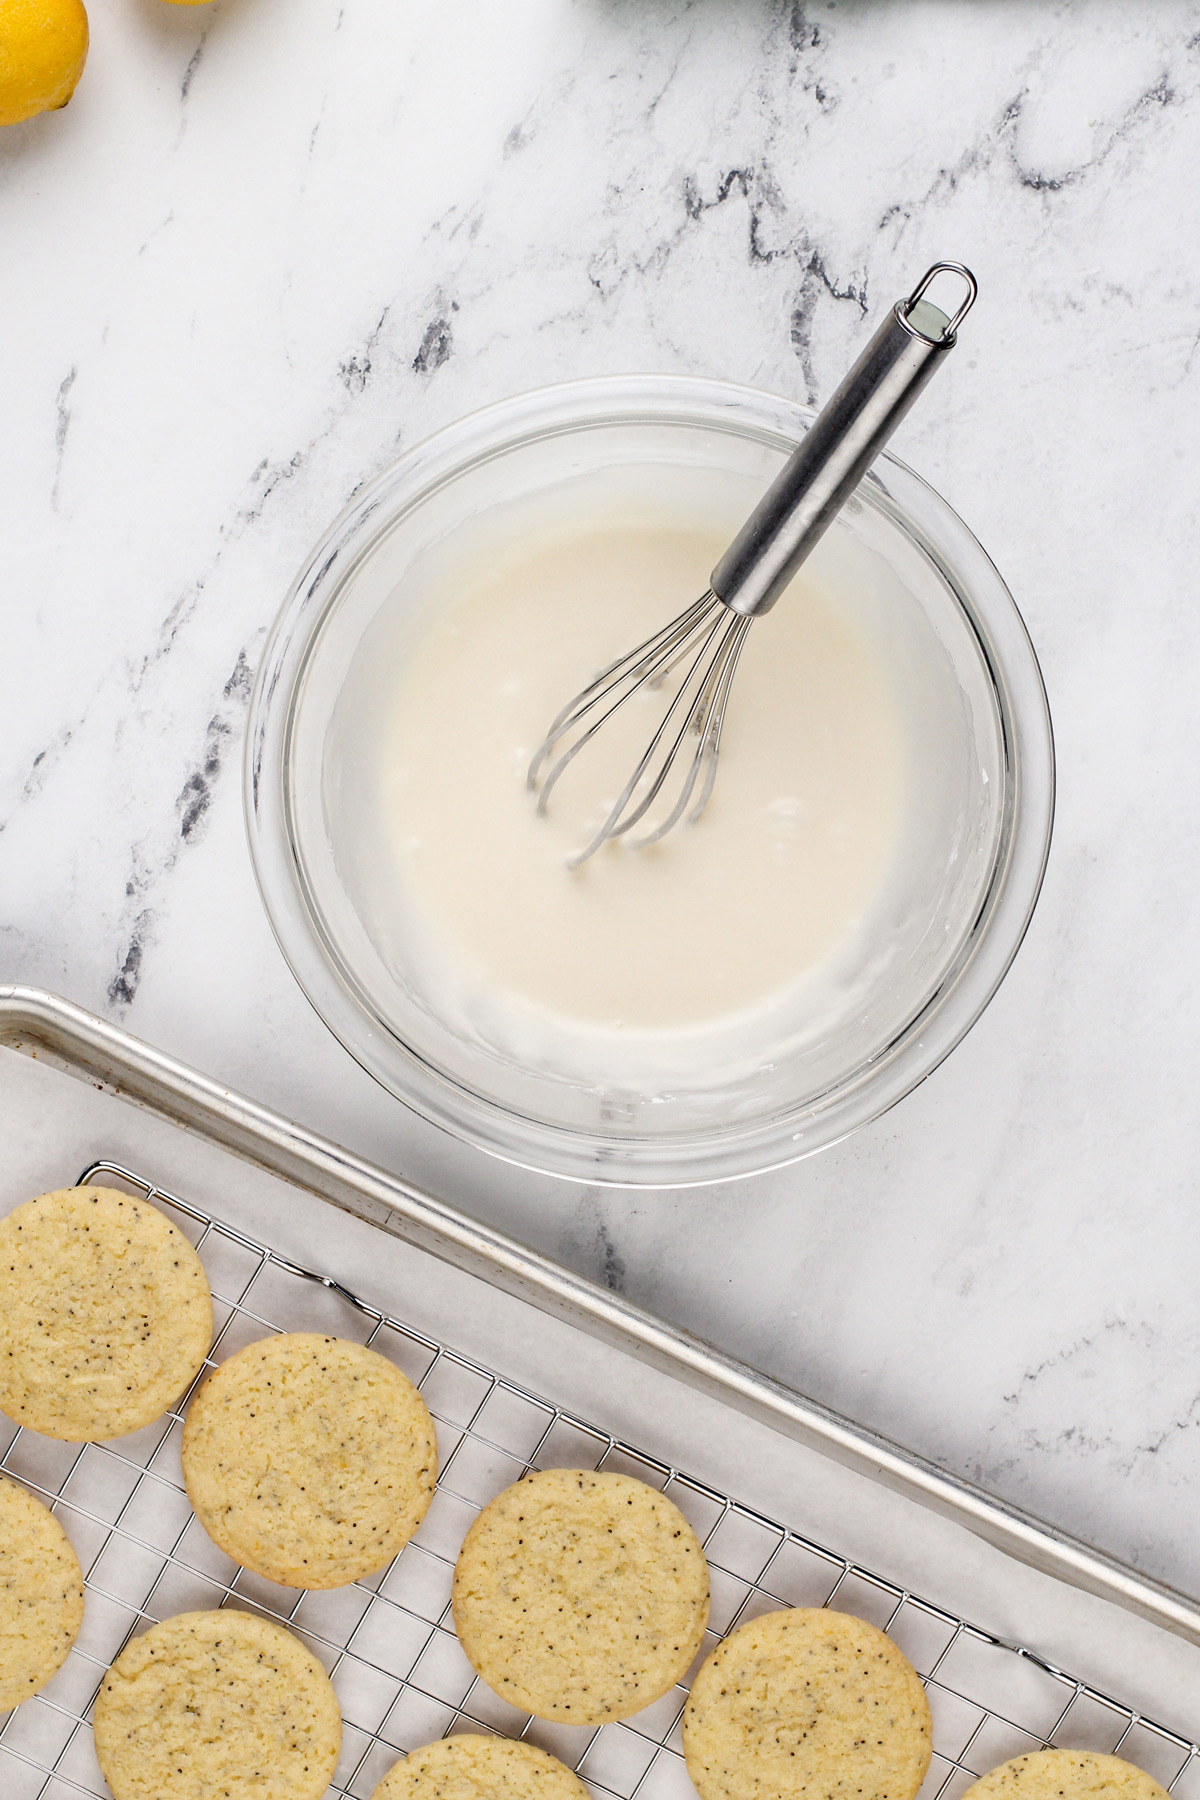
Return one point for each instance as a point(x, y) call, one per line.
point(43, 47)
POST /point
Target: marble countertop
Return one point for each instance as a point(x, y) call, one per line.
point(271, 242)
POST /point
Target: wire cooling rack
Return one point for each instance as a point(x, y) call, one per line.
point(388, 1642)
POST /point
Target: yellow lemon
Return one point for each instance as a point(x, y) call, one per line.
point(43, 47)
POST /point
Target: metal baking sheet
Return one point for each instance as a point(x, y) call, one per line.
point(903, 1539)
point(42, 1025)
point(388, 1642)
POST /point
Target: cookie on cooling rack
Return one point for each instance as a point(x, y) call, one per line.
point(581, 1595)
point(807, 1702)
point(309, 1459)
point(471, 1767)
point(1066, 1775)
point(41, 1595)
point(217, 1703)
point(105, 1314)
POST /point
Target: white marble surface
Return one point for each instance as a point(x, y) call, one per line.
point(271, 241)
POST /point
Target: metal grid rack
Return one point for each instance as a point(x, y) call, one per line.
point(388, 1641)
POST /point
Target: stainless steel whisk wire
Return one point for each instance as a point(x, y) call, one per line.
point(709, 635)
point(698, 707)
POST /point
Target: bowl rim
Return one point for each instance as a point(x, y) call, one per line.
point(687, 1160)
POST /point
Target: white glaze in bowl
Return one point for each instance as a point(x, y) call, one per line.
point(777, 1084)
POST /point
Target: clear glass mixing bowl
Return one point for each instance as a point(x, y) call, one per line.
point(974, 880)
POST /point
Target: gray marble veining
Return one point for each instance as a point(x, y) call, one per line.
point(271, 242)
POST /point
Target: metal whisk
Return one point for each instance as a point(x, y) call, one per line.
point(706, 640)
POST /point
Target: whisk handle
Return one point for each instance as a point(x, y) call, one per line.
point(839, 447)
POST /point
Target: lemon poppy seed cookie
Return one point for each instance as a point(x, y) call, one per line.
point(217, 1703)
point(41, 1595)
point(469, 1767)
point(105, 1314)
point(1066, 1775)
point(807, 1703)
point(581, 1596)
point(309, 1459)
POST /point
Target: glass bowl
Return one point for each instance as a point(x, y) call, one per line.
point(738, 1107)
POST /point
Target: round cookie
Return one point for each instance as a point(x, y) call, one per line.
point(581, 1595)
point(1066, 1775)
point(105, 1314)
point(470, 1767)
point(217, 1703)
point(41, 1595)
point(807, 1702)
point(309, 1459)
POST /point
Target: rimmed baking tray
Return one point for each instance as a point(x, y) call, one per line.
point(991, 1698)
